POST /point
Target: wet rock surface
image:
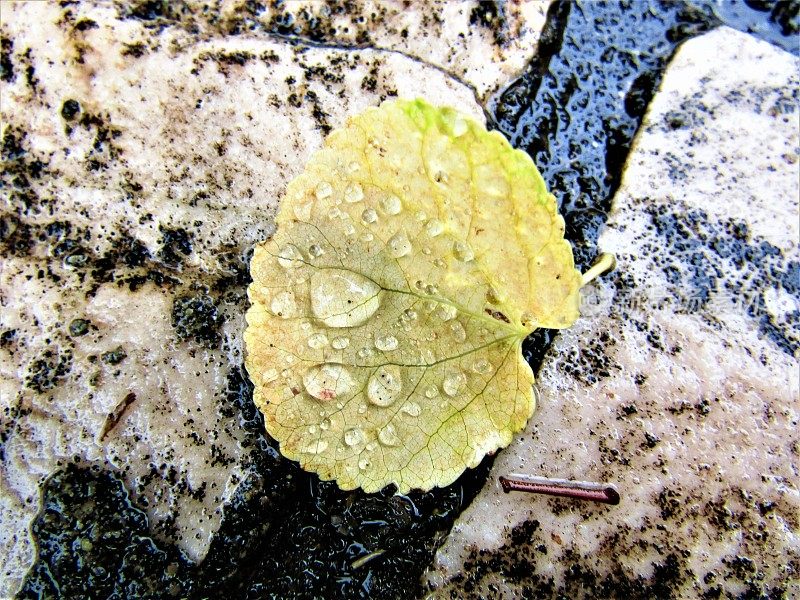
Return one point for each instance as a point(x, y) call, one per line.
point(164, 239)
point(680, 387)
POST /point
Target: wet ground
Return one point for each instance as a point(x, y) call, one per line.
point(576, 110)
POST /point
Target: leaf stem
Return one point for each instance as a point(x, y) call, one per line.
point(562, 488)
point(605, 263)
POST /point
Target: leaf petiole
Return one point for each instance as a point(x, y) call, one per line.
point(605, 263)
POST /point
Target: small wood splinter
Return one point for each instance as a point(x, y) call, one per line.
point(596, 492)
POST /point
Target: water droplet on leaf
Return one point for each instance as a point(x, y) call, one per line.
point(284, 305)
point(399, 245)
point(384, 385)
point(434, 227)
point(323, 190)
point(354, 436)
point(341, 298)
point(412, 409)
point(388, 436)
point(353, 193)
point(340, 343)
point(446, 312)
point(391, 204)
point(369, 215)
point(457, 331)
point(453, 382)
point(462, 251)
point(316, 447)
point(317, 341)
point(482, 366)
point(386, 343)
point(303, 210)
point(290, 257)
point(328, 381)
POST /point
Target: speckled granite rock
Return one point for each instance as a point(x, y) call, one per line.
point(680, 385)
point(143, 156)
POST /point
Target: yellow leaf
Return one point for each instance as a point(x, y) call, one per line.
point(411, 259)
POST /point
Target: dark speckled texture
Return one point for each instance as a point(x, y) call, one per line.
point(284, 534)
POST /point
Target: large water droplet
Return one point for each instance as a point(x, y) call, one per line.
point(369, 215)
point(342, 298)
point(340, 343)
point(317, 341)
point(384, 385)
point(328, 381)
point(315, 447)
point(431, 391)
point(386, 343)
point(353, 193)
point(453, 382)
point(364, 463)
point(399, 245)
point(391, 204)
point(290, 257)
point(323, 190)
point(315, 251)
point(462, 251)
point(284, 305)
point(412, 409)
point(388, 436)
point(354, 437)
point(364, 353)
point(325, 424)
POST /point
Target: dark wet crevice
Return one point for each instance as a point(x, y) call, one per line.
point(285, 534)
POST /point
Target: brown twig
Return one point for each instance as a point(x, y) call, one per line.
point(596, 492)
point(114, 417)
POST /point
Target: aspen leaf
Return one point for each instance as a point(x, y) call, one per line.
point(412, 257)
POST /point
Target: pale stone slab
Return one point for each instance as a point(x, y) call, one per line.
point(143, 205)
point(680, 385)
